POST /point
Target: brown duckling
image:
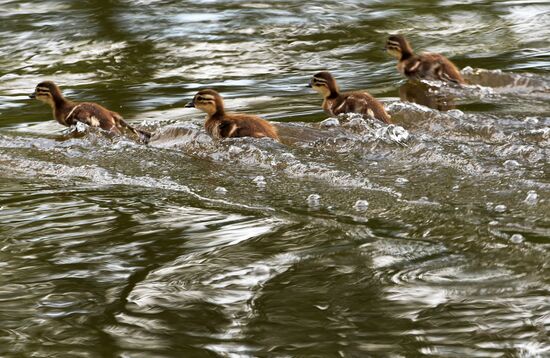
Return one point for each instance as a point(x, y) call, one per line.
point(336, 102)
point(428, 66)
point(68, 113)
point(220, 124)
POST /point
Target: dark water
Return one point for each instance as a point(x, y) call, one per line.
point(429, 238)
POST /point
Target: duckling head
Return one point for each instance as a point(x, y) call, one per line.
point(398, 47)
point(47, 92)
point(325, 84)
point(208, 101)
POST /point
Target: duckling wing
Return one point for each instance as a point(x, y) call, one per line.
point(259, 128)
point(95, 115)
point(228, 129)
point(441, 68)
point(450, 72)
point(356, 102)
point(413, 68)
point(242, 125)
point(91, 114)
point(363, 103)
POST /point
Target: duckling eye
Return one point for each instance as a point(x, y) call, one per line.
point(42, 91)
point(204, 99)
point(317, 82)
point(393, 45)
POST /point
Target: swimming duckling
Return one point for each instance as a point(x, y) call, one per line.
point(220, 124)
point(336, 102)
point(429, 66)
point(68, 113)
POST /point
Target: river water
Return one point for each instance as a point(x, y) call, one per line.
point(426, 238)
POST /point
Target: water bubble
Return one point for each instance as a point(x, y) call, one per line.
point(234, 150)
point(288, 156)
point(531, 120)
point(500, 208)
point(455, 113)
point(260, 181)
point(73, 153)
point(357, 122)
point(221, 190)
point(398, 133)
point(80, 127)
point(543, 132)
point(485, 92)
point(360, 123)
point(391, 133)
point(467, 70)
point(511, 164)
point(330, 122)
point(361, 205)
point(532, 198)
point(517, 239)
point(314, 200)
point(401, 181)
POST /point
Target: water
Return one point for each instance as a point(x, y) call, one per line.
point(351, 238)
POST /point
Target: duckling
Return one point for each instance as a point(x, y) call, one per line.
point(336, 102)
point(68, 113)
point(429, 66)
point(220, 124)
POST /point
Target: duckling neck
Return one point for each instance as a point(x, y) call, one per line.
point(60, 102)
point(61, 109)
point(405, 55)
point(217, 115)
point(333, 94)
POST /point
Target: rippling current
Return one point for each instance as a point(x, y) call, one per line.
point(429, 237)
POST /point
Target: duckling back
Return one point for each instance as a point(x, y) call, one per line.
point(240, 125)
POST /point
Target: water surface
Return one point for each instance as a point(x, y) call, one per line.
point(428, 238)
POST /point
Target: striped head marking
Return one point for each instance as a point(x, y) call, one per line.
point(324, 83)
point(46, 92)
point(397, 46)
point(208, 101)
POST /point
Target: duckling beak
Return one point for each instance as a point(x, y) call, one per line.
point(190, 105)
point(32, 95)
